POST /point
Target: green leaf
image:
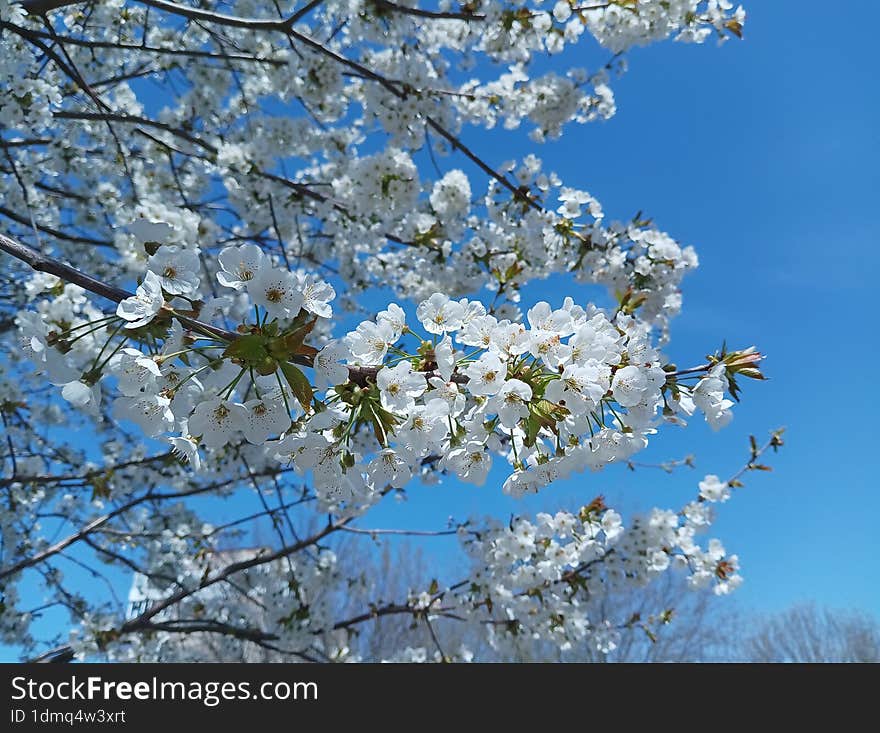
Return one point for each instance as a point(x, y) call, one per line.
point(250, 349)
point(298, 382)
point(751, 373)
point(533, 425)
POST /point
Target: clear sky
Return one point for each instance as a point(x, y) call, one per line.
point(763, 154)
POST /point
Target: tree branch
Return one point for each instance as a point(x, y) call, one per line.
point(41, 7)
point(96, 524)
point(43, 263)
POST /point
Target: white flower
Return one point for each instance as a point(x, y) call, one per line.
point(370, 341)
point(629, 385)
point(451, 195)
point(187, 390)
point(548, 347)
point(389, 469)
point(597, 340)
point(329, 371)
point(240, 265)
point(708, 395)
point(276, 290)
point(510, 339)
point(32, 334)
point(658, 561)
point(264, 418)
point(579, 388)
point(217, 420)
point(469, 462)
point(32, 337)
point(187, 449)
point(471, 309)
point(83, 396)
point(562, 11)
point(511, 404)
point(612, 525)
point(439, 314)
point(177, 268)
point(520, 483)
point(449, 393)
point(478, 332)
point(136, 373)
point(444, 356)
point(486, 375)
point(174, 341)
point(542, 318)
point(315, 451)
point(143, 306)
point(59, 370)
point(399, 386)
point(39, 283)
point(698, 514)
point(316, 294)
point(713, 489)
point(151, 413)
point(394, 317)
point(426, 426)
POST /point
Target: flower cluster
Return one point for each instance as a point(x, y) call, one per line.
point(535, 579)
point(569, 389)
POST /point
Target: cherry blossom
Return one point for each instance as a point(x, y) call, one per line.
point(486, 375)
point(399, 386)
point(216, 420)
point(177, 269)
point(239, 265)
point(142, 308)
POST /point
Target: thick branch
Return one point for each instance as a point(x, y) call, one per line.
point(41, 7)
point(114, 117)
point(432, 14)
point(43, 263)
point(282, 25)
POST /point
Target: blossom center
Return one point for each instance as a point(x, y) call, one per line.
point(274, 295)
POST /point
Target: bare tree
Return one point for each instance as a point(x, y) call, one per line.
point(807, 633)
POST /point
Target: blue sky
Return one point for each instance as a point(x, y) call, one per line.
point(764, 155)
